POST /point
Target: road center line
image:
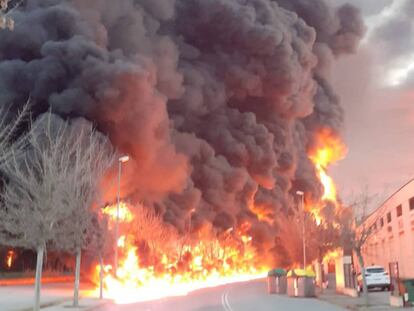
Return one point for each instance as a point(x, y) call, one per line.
point(226, 297)
point(225, 302)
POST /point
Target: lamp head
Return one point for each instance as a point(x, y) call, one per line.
point(124, 159)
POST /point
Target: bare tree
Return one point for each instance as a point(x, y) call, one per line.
point(6, 21)
point(37, 188)
point(154, 236)
point(354, 234)
point(91, 160)
point(10, 140)
point(148, 226)
point(100, 242)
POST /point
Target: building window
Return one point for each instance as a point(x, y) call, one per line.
point(399, 210)
point(411, 203)
point(382, 222)
point(389, 217)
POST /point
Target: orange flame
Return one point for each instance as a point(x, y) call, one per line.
point(135, 283)
point(125, 214)
point(121, 241)
point(332, 255)
point(328, 150)
point(9, 258)
point(192, 263)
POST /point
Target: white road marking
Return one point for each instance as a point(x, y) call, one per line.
point(225, 302)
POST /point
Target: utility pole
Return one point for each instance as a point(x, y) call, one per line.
point(121, 160)
point(189, 220)
point(302, 202)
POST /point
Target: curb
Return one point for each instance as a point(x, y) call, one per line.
point(31, 281)
point(83, 305)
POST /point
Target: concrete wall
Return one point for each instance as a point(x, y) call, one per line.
point(339, 271)
point(394, 241)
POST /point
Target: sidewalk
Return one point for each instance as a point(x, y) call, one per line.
point(31, 280)
point(85, 304)
point(377, 301)
point(20, 298)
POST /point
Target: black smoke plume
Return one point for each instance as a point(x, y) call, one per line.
point(216, 101)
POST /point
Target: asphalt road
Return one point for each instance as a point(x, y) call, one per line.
point(236, 297)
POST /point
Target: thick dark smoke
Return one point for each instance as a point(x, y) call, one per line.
point(217, 101)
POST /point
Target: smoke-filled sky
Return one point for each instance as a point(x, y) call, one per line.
point(376, 87)
point(218, 102)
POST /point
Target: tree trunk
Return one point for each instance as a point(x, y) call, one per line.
point(39, 265)
point(319, 267)
point(364, 280)
point(77, 279)
point(101, 272)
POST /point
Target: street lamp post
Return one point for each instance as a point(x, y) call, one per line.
point(189, 220)
point(302, 202)
point(121, 160)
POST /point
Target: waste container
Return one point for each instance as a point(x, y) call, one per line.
point(276, 281)
point(409, 289)
point(271, 282)
point(281, 281)
point(301, 283)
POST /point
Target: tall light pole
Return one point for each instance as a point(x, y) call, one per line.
point(302, 202)
point(121, 160)
point(189, 220)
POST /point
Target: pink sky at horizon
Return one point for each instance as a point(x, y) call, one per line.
point(376, 87)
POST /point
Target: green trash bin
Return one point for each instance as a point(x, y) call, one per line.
point(409, 287)
point(281, 281)
point(276, 281)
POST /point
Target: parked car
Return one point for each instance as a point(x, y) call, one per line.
point(376, 277)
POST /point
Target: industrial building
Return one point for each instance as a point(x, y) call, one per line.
point(391, 240)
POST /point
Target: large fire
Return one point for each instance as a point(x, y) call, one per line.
point(146, 271)
point(156, 262)
point(328, 150)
